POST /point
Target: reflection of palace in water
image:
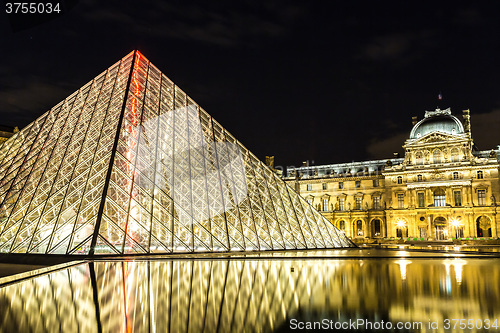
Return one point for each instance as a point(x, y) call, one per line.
point(443, 188)
point(247, 295)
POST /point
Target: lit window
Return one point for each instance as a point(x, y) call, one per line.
point(324, 186)
point(419, 158)
point(341, 185)
point(325, 205)
point(419, 178)
point(400, 180)
point(359, 227)
point(342, 203)
point(358, 184)
point(437, 156)
point(439, 198)
point(375, 183)
point(481, 197)
point(376, 202)
point(342, 225)
point(309, 187)
point(455, 175)
point(454, 155)
point(457, 195)
point(479, 175)
point(401, 200)
point(358, 203)
point(421, 199)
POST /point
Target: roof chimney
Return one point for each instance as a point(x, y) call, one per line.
point(466, 116)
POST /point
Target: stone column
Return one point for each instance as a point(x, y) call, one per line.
point(367, 232)
point(430, 236)
point(494, 229)
point(472, 225)
point(471, 202)
point(389, 227)
point(416, 229)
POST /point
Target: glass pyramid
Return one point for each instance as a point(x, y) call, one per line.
point(131, 164)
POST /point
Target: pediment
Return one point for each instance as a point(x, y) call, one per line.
point(435, 137)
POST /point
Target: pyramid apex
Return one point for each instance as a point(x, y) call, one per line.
point(131, 164)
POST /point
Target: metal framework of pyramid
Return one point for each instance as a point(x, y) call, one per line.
point(131, 164)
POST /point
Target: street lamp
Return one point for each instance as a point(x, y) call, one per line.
point(401, 224)
point(455, 223)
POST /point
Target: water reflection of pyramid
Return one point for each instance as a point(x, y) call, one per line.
point(130, 164)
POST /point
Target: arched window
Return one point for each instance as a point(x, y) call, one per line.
point(419, 158)
point(437, 156)
point(376, 227)
point(342, 225)
point(400, 180)
point(454, 155)
point(479, 175)
point(419, 178)
point(455, 175)
point(439, 198)
point(359, 228)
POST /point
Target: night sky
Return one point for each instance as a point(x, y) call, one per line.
point(324, 81)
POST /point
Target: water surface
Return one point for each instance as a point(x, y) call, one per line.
point(253, 294)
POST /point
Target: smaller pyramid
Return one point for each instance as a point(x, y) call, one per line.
point(130, 164)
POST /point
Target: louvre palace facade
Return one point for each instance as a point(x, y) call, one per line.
point(444, 188)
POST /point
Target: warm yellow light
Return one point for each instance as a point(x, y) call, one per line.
point(401, 223)
point(455, 222)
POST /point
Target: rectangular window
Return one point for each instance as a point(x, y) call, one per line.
point(325, 205)
point(401, 200)
point(309, 187)
point(376, 202)
point(421, 200)
point(481, 197)
point(341, 185)
point(375, 183)
point(455, 175)
point(457, 195)
point(358, 203)
point(479, 175)
point(342, 203)
point(324, 186)
point(439, 198)
point(358, 183)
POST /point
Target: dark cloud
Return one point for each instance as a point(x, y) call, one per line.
point(268, 70)
point(485, 129)
point(384, 148)
point(35, 94)
point(224, 25)
point(400, 48)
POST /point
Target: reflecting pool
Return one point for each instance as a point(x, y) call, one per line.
point(255, 295)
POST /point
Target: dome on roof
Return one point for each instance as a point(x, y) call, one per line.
point(437, 121)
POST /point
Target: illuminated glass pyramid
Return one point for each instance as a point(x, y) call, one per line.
point(130, 164)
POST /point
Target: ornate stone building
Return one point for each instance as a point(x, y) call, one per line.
point(443, 188)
